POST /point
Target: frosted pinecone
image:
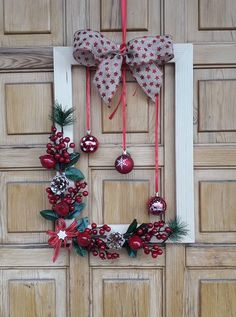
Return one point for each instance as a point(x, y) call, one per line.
point(59, 184)
point(115, 241)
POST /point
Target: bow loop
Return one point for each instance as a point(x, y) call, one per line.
point(144, 57)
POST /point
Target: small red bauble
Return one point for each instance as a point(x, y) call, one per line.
point(135, 243)
point(124, 164)
point(47, 161)
point(62, 209)
point(83, 239)
point(156, 205)
point(89, 144)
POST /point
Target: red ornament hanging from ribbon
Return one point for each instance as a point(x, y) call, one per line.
point(88, 143)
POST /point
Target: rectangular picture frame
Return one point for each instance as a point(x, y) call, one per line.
point(183, 60)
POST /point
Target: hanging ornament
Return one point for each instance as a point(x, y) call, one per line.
point(59, 184)
point(156, 204)
point(124, 163)
point(88, 143)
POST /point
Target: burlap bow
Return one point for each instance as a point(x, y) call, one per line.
point(143, 56)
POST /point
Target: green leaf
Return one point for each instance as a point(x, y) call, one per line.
point(62, 116)
point(132, 253)
point(132, 226)
point(49, 214)
point(78, 249)
point(82, 224)
point(74, 157)
point(74, 174)
point(76, 212)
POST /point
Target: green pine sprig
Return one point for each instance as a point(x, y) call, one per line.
point(179, 230)
point(61, 116)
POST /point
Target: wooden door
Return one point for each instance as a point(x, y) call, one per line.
point(188, 281)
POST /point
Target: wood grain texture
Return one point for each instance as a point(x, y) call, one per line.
point(219, 197)
point(24, 111)
point(137, 112)
point(31, 23)
point(216, 105)
point(211, 256)
point(208, 21)
point(215, 281)
point(217, 15)
point(130, 289)
point(134, 296)
point(21, 100)
point(25, 58)
point(15, 188)
point(122, 197)
point(20, 17)
point(213, 106)
point(110, 15)
point(217, 155)
point(214, 204)
point(34, 292)
point(32, 298)
point(22, 217)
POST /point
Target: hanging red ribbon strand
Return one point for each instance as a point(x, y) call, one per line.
point(156, 146)
point(88, 102)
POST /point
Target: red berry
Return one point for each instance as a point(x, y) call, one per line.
point(85, 193)
point(103, 247)
point(159, 236)
point(101, 231)
point(53, 129)
point(150, 225)
point(61, 160)
point(164, 236)
point(78, 199)
point(94, 225)
point(83, 185)
point(108, 229)
point(49, 146)
point(70, 189)
point(57, 156)
point(95, 231)
point(160, 251)
point(168, 230)
point(67, 139)
point(109, 256)
point(48, 190)
point(135, 242)
point(59, 134)
point(66, 155)
point(147, 237)
point(95, 253)
point(83, 239)
point(155, 247)
point(139, 232)
point(146, 251)
point(72, 208)
point(102, 255)
point(72, 145)
point(154, 254)
point(48, 161)
point(62, 208)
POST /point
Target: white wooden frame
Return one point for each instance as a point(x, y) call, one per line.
point(63, 60)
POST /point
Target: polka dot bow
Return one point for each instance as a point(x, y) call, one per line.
point(143, 56)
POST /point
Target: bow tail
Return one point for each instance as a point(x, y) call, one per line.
point(57, 247)
point(149, 78)
point(108, 76)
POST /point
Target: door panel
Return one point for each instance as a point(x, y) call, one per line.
point(74, 286)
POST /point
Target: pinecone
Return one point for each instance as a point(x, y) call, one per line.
point(59, 184)
point(115, 241)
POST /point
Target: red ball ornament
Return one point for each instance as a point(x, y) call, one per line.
point(83, 239)
point(156, 205)
point(135, 243)
point(47, 161)
point(124, 164)
point(89, 144)
point(62, 209)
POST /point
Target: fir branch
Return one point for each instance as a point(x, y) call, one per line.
point(179, 229)
point(61, 116)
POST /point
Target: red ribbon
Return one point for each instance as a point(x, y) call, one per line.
point(156, 147)
point(88, 103)
point(56, 242)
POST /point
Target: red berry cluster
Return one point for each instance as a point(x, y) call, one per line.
point(94, 239)
point(64, 204)
point(143, 238)
point(58, 147)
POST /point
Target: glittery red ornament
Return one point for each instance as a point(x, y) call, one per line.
point(124, 164)
point(62, 209)
point(156, 205)
point(83, 239)
point(135, 243)
point(47, 161)
point(89, 144)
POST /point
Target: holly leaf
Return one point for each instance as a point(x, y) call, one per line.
point(132, 253)
point(132, 226)
point(76, 212)
point(49, 215)
point(82, 224)
point(74, 174)
point(78, 249)
point(74, 157)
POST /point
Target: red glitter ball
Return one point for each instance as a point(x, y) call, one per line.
point(156, 205)
point(89, 144)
